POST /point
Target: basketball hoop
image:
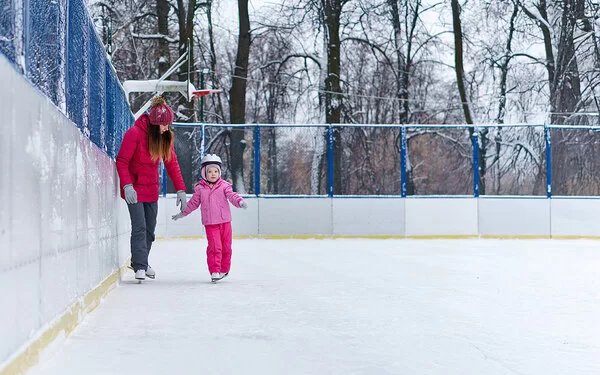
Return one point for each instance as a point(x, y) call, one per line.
point(203, 92)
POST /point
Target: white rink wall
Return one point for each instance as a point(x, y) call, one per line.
point(63, 229)
point(415, 217)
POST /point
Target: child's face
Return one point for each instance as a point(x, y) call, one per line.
point(212, 174)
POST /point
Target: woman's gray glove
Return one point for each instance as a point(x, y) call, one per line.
point(181, 198)
point(130, 194)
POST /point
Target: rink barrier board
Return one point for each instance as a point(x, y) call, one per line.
point(417, 218)
point(62, 327)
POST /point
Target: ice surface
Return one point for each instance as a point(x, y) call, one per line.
point(350, 307)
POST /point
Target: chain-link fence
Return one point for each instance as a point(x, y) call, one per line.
point(54, 45)
point(411, 160)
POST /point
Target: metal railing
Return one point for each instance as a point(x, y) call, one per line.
point(511, 159)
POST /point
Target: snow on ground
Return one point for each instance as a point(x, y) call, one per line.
point(350, 307)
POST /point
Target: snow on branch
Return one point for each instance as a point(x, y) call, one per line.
point(534, 13)
point(518, 146)
point(155, 36)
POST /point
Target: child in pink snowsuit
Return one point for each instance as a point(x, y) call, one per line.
point(213, 195)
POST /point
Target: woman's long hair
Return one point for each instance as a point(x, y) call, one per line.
point(159, 145)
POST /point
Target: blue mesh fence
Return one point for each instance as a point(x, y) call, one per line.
point(44, 56)
point(7, 30)
point(53, 43)
point(77, 61)
point(96, 91)
point(123, 117)
point(111, 89)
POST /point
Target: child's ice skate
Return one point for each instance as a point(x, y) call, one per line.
point(215, 276)
point(224, 275)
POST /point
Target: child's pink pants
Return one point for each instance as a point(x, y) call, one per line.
point(218, 252)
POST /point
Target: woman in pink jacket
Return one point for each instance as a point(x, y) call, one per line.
point(147, 142)
point(213, 195)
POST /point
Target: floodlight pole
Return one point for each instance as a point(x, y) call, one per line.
point(202, 73)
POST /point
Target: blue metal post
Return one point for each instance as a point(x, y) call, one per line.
point(330, 161)
point(475, 163)
point(403, 162)
point(257, 160)
point(548, 162)
point(164, 180)
point(202, 141)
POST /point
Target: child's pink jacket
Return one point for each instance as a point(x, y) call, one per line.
point(214, 205)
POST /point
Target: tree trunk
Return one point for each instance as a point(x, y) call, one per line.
point(186, 36)
point(237, 97)
point(502, 93)
point(272, 164)
point(566, 86)
point(404, 66)
point(164, 58)
point(458, 61)
point(213, 65)
point(565, 89)
point(332, 10)
point(459, 68)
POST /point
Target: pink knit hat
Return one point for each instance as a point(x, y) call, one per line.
point(160, 112)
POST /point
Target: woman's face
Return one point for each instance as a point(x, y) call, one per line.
point(163, 128)
point(212, 174)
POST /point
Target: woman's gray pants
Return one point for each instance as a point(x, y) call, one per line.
point(143, 222)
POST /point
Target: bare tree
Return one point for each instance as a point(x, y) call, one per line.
point(499, 58)
point(237, 99)
point(458, 60)
point(563, 79)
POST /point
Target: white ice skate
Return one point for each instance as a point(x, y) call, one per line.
point(140, 275)
point(215, 276)
point(150, 273)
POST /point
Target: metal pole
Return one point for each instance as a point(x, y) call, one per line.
point(164, 180)
point(257, 160)
point(548, 162)
point(475, 164)
point(403, 162)
point(330, 161)
point(202, 141)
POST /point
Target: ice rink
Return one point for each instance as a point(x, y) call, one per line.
point(349, 306)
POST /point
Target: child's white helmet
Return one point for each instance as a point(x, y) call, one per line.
point(210, 159)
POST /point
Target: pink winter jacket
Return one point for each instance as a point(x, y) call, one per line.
point(214, 205)
point(135, 165)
